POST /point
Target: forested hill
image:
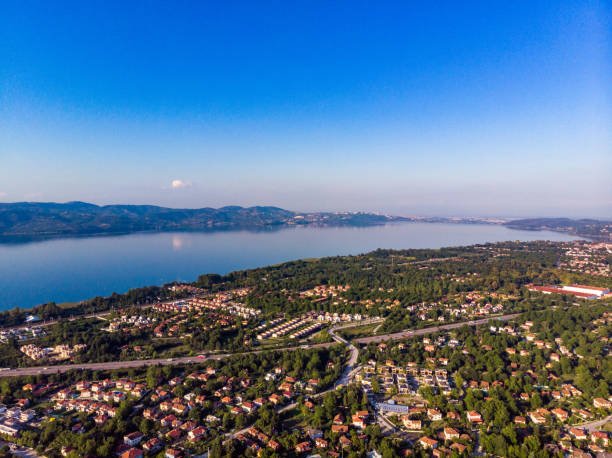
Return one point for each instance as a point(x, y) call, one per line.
point(79, 218)
point(590, 228)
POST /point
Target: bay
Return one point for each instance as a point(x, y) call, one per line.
point(73, 269)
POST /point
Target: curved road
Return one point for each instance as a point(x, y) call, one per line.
point(594, 425)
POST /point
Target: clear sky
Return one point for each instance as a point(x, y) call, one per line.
point(413, 108)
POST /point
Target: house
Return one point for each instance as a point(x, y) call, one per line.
point(344, 441)
point(133, 439)
point(132, 453)
point(441, 452)
point(600, 436)
point(152, 445)
point(601, 403)
point(196, 434)
point(167, 421)
point(173, 453)
point(101, 419)
point(578, 434)
point(561, 414)
point(450, 434)
point(474, 417)
point(537, 418)
point(248, 407)
point(520, 420)
point(338, 419)
point(302, 447)
point(309, 405)
point(339, 429)
point(434, 415)
point(188, 426)
point(453, 416)
point(174, 434)
point(320, 443)
point(9, 430)
point(427, 442)
point(411, 424)
point(358, 422)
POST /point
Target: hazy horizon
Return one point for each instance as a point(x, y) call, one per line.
point(426, 110)
point(603, 218)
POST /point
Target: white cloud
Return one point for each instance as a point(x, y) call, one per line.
point(3, 195)
point(176, 184)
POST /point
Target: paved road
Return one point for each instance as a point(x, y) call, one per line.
point(347, 374)
point(135, 363)
point(419, 332)
point(594, 425)
point(192, 359)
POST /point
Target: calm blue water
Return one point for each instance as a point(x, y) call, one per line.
point(66, 270)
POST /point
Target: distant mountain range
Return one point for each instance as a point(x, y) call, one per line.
point(36, 219)
point(589, 228)
point(45, 220)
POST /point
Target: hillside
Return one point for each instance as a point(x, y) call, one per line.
point(589, 228)
point(79, 218)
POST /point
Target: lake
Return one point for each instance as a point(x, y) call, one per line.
point(67, 270)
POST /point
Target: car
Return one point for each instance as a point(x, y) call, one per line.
point(170, 359)
point(202, 356)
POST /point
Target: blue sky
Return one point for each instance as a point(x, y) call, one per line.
point(428, 108)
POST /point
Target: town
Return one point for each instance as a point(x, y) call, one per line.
point(497, 349)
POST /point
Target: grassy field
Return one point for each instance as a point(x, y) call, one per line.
point(358, 331)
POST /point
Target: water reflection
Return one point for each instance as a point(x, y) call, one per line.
point(64, 270)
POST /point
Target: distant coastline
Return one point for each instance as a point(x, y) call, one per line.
point(24, 222)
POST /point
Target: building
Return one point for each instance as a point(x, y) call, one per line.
point(133, 439)
point(599, 292)
point(427, 442)
point(579, 291)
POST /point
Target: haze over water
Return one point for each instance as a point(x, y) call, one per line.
point(65, 270)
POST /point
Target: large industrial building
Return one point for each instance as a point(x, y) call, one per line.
point(581, 291)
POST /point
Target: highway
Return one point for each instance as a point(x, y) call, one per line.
point(36, 370)
point(420, 332)
point(135, 363)
point(193, 359)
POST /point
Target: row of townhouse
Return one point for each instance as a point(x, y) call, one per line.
point(284, 328)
